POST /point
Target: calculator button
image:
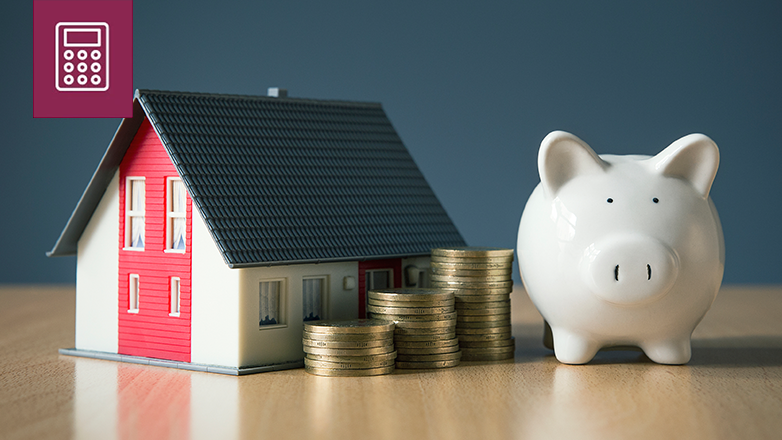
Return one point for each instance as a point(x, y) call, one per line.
point(68, 54)
point(68, 79)
point(95, 67)
point(82, 54)
point(82, 67)
point(82, 80)
point(68, 67)
point(95, 54)
point(95, 79)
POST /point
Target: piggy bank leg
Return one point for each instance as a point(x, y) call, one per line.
point(672, 352)
point(573, 348)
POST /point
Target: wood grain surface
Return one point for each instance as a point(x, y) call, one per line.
point(732, 388)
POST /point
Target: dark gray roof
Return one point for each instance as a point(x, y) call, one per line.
point(284, 180)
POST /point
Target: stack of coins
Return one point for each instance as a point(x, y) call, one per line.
point(361, 347)
point(425, 319)
point(481, 282)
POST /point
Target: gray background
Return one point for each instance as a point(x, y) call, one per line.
point(471, 89)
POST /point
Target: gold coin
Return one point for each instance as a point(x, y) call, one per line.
point(477, 325)
point(347, 344)
point(478, 265)
point(367, 358)
point(427, 365)
point(469, 299)
point(414, 304)
point(427, 337)
point(353, 326)
point(484, 312)
point(484, 330)
point(427, 350)
point(471, 283)
point(484, 337)
point(460, 293)
point(361, 372)
point(446, 324)
point(352, 365)
point(473, 252)
point(415, 318)
point(485, 318)
point(484, 273)
point(349, 351)
point(470, 351)
point(348, 336)
point(453, 278)
point(498, 343)
point(438, 343)
point(430, 357)
point(488, 357)
point(410, 331)
point(417, 294)
point(483, 305)
point(410, 310)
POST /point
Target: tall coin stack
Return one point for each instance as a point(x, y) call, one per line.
point(425, 319)
point(482, 283)
point(361, 347)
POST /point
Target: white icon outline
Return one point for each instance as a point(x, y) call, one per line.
point(101, 29)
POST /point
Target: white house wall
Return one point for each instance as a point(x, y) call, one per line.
point(97, 296)
point(282, 343)
point(214, 321)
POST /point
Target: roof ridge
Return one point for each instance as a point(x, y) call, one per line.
point(370, 104)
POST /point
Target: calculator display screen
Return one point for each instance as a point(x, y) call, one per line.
point(82, 37)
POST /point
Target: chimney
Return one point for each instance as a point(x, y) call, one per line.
point(276, 92)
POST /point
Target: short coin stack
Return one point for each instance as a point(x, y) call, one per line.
point(361, 347)
point(425, 320)
point(482, 283)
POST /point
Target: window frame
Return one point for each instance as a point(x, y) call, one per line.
point(282, 320)
point(324, 294)
point(175, 297)
point(130, 214)
point(171, 215)
point(134, 293)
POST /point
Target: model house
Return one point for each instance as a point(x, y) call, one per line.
point(216, 224)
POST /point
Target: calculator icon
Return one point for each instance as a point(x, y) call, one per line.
point(81, 57)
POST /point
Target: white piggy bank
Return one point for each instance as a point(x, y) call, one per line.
point(622, 250)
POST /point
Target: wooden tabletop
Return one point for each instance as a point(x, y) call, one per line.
point(732, 387)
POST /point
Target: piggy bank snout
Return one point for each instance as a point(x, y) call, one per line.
point(630, 269)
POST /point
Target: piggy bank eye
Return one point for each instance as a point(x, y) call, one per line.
point(610, 200)
point(656, 200)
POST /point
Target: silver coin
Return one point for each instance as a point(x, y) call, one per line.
point(352, 365)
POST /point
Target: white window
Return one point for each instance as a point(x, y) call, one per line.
point(314, 292)
point(175, 296)
point(271, 303)
point(133, 293)
point(134, 213)
point(176, 212)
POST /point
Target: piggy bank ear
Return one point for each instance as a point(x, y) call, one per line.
point(563, 156)
point(694, 158)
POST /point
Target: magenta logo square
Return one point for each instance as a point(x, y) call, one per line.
point(82, 59)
